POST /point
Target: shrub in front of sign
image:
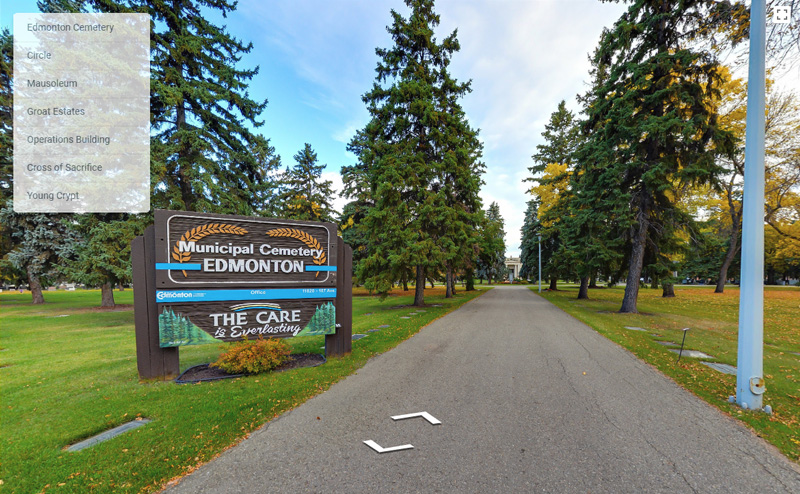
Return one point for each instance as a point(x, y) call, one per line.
point(254, 356)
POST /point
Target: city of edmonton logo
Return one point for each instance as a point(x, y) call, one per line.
point(181, 254)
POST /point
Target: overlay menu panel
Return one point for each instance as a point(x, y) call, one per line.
point(82, 113)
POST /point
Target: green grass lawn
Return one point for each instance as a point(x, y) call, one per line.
point(68, 372)
point(713, 319)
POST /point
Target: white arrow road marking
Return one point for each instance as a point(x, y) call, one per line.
point(427, 416)
point(377, 447)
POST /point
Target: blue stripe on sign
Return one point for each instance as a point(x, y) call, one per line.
point(320, 268)
point(164, 296)
point(180, 267)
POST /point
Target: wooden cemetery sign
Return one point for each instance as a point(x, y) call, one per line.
point(201, 278)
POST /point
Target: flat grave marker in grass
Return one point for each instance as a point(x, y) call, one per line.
point(724, 368)
point(109, 434)
point(691, 353)
point(635, 328)
point(667, 343)
point(358, 336)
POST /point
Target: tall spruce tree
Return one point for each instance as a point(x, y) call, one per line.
point(203, 157)
point(7, 242)
point(102, 256)
point(304, 195)
point(202, 150)
point(555, 154)
point(492, 253)
point(457, 183)
point(419, 167)
point(41, 243)
point(6, 115)
point(589, 243)
point(529, 245)
point(652, 122)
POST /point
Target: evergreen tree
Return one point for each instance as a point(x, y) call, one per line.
point(350, 225)
point(103, 255)
point(8, 271)
point(553, 166)
point(304, 195)
point(6, 119)
point(651, 123)
point(202, 158)
point(166, 329)
point(561, 139)
point(492, 257)
point(529, 246)
point(264, 193)
point(41, 242)
point(419, 162)
point(589, 243)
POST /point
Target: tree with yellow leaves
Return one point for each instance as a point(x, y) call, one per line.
point(782, 168)
point(551, 171)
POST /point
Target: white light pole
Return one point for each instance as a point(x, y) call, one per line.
point(750, 361)
point(540, 263)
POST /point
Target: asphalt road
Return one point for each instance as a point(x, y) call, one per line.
point(530, 400)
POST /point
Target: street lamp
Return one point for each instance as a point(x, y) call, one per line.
point(540, 263)
point(750, 355)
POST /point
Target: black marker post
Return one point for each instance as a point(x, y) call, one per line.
point(682, 342)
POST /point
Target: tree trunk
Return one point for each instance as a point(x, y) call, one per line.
point(593, 281)
point(184, 168)
point(405, 282)
point(419, 290)
point(107, 295)
point(655, 284)
point(583, 293)
point(470, 280)
point(723, 271)
point(36, 287)
point(733, 248)
point(669, 290)
point(448, 277)
point(431, 282)
point(635, 265)
point(553, 283)
point(771, 276)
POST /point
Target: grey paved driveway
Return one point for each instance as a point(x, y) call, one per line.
point(530, 400)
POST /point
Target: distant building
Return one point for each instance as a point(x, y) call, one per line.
point(514, 265)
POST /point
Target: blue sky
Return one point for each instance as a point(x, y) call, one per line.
point(318, 57)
